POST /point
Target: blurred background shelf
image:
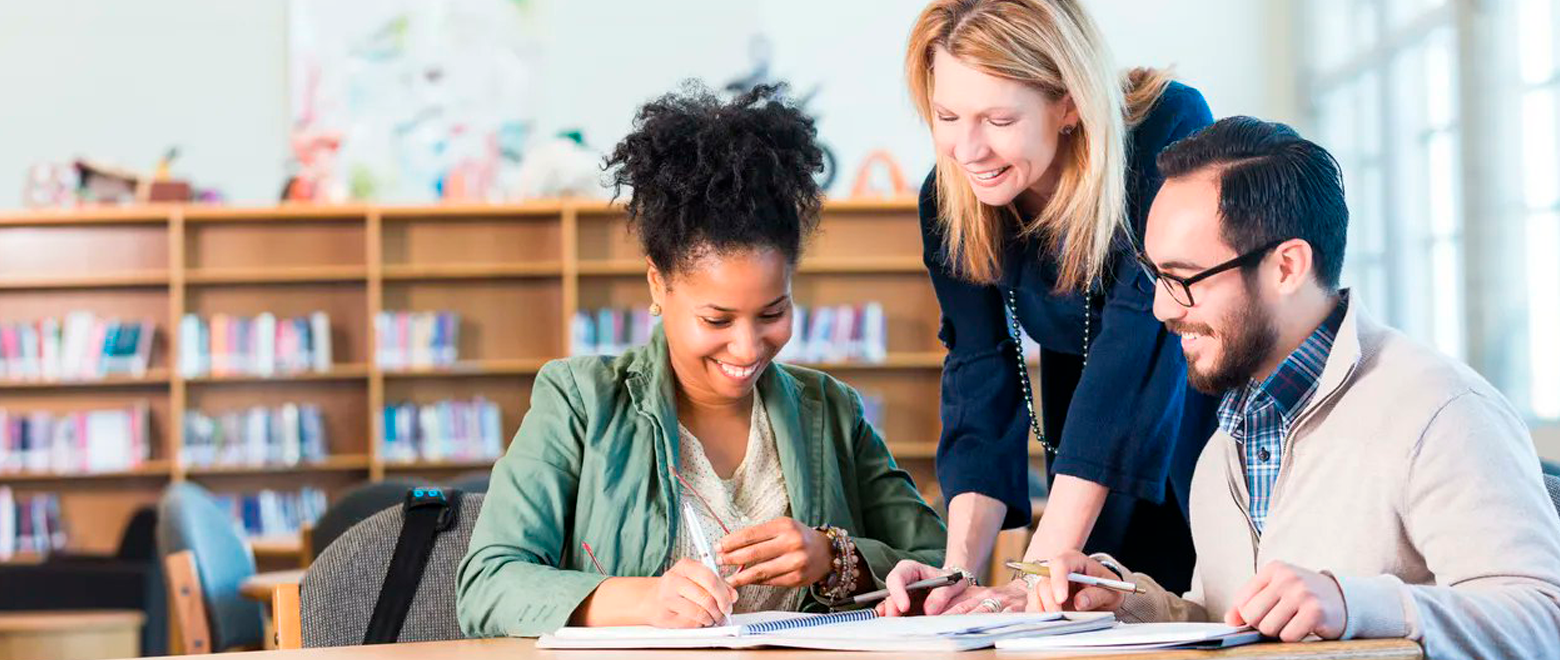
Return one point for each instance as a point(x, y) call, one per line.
point(514, 274)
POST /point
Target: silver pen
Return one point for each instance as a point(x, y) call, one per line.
point(701, 544)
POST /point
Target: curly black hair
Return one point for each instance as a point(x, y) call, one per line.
point(709, 176)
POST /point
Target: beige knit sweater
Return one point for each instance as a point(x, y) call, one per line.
point(1410, 480)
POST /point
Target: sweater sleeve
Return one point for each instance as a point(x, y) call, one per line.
point(1475, 508)
point(1158, 604)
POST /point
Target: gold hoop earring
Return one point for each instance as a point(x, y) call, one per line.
point(655, 309)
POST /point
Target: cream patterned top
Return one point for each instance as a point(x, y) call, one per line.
point(754, 494)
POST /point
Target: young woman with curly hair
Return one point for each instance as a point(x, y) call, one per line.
point(699, 432)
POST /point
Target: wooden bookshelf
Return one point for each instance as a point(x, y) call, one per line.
point(516, 275)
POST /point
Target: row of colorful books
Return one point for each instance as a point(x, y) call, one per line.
point(80, 346)
point(106, 440)
point(447, 430)
point(416, 340)
point(29, 523)
point(273, 513)
point(263, 345)
point(289, 434)
point(837, 333)
point(832, 333)
point(610, 330)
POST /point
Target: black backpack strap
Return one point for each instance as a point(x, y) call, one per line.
point(426, 512)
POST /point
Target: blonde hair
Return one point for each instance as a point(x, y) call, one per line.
point(1054, 47)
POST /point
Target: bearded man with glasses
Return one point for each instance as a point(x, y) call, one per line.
point(1360, 484)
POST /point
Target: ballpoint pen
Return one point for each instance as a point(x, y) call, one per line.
point(1036, 568)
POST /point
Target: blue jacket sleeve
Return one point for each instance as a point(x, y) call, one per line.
point(1126, 413)
point(981, 448)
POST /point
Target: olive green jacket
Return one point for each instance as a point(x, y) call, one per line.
point(592, 463)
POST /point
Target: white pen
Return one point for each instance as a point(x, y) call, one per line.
point(703, 546)
point(1036, 568)
point(700, 544)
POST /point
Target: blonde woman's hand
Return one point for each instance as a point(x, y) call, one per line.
point(1057, 593)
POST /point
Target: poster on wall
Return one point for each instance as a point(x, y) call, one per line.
point(409, 101)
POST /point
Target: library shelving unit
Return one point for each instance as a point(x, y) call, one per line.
point(515, 274)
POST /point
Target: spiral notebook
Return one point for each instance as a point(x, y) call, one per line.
point(861, 630)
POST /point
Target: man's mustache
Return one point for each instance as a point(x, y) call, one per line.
point(1190, 328)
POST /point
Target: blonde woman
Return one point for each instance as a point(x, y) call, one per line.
point(1045, 172)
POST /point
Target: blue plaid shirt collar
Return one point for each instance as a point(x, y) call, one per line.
point(1291, 385)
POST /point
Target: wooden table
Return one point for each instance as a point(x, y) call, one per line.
point(70, 634)
point(258, 586)
point(525, 649)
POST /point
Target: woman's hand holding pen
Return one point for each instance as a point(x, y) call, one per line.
point(901, 603)
point(1057, 593)
point(689, 595)
point(781, 552)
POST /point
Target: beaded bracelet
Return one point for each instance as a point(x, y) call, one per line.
point(843, 570)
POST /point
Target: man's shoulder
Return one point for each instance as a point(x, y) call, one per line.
point(1412, 382)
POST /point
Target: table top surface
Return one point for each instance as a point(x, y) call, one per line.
point(70, 620)
point(525, 649)
point(259, 586)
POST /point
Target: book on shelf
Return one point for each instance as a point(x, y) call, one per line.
point(416, 340)
point(442, 431)
point(610, 330)
point(872, 409)
point(262, 345)
point(273, 513)
point(30, 523)
point(287, 435)
point(837, 333)
point(82, 442)
point(79, 347)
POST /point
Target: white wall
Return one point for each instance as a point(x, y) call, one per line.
point(123, 80)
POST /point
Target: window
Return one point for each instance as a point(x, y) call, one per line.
point(1537, 90)
point(1383, 84)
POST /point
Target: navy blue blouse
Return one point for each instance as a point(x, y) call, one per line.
point(1128, 420)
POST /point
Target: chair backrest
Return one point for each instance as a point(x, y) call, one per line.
point(475, 481)
point(352, 508)
point(186, 601)
point(339, 591)
point(139, 541)
point(188, 518)
point(1552, 484)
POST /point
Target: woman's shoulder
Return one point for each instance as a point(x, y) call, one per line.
point(835, 397)
point(589, 377)
point(1179, 111)
point(1178, 103)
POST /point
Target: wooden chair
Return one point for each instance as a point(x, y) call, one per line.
point(286, 616)
point(187, 602)
point(206, 560)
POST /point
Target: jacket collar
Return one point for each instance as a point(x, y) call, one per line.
point(1344, 359)
point(795, 417)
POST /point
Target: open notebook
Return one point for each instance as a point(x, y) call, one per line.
point(1140, 637)
point(861, 630)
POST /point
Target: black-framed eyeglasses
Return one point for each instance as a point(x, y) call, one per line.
point(1180, 288)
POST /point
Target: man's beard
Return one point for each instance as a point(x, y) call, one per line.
point(1247, 338)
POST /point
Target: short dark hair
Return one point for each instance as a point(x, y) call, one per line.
point(715, 176)
point(1273, 185)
